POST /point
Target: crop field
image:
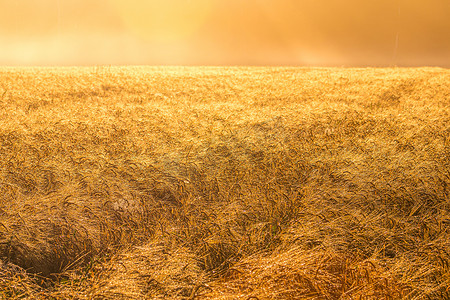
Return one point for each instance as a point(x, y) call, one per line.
point(224, 183)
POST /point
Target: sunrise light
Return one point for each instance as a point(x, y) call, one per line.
point(225, 32)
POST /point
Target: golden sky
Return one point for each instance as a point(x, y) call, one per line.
point(225, 32)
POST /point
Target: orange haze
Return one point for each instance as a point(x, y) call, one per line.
point(225, 32)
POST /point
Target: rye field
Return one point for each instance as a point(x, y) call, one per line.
point(224, 183)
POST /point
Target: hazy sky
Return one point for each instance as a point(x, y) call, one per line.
point(225, 32)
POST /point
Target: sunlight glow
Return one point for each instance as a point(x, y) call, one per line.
point(225, 32)
point(163, 21)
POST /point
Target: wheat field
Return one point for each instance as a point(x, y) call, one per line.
point(224, 183)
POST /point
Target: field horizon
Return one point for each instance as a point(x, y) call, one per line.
point(224, 183)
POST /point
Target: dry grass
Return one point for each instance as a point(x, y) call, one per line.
point(224, 183)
